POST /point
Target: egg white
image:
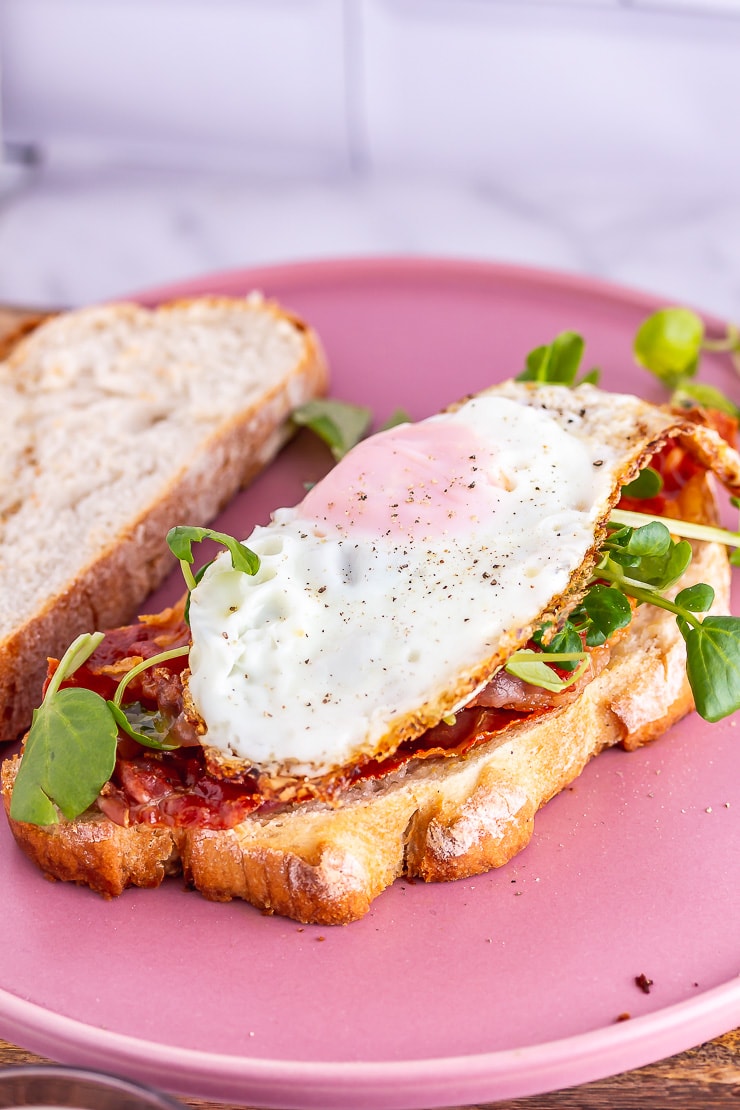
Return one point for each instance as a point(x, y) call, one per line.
point(422, 553)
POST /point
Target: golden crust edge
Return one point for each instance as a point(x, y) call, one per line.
point(659, 426)
point(108, 590)
point(323, 865)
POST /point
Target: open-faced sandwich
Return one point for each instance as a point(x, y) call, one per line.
point(392, 677)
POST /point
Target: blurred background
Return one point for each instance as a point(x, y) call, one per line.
point(153, 140)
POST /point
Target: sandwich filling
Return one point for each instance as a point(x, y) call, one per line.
point(386, 608)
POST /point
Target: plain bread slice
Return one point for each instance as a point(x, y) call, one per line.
point(120, 421)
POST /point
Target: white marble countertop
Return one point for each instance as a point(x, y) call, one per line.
point(72, 236)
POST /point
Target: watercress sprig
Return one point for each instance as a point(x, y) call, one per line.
point(654, 562)
point(156, 736)
point(181, 538)
point(70, 751)
point(688, 529)
point(71, 746)
point(669, 344)
point(558, 362)
point(647, 484)
point(533, 667)
point(338, 423)
point(601, 613)
point(640, 559)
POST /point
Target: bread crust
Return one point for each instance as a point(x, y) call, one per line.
point(107, 590)
point(436, 819)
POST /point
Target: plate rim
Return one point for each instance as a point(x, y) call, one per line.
point(354, 266)
point(519, 1072)
point(522, 1072)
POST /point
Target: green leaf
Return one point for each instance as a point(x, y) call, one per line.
point(146, 727)
point(181, 538)
point(699, 393)
point(624, 559)
point(144, 665)
point(735, 558)
point(662, 572)
point(338, 423)
point(398, 416)
point(566, 641)
point(535, 366)
point(535, 673)
point(557, 362)
point(649, 539)
point(688, 528)
point(648, 483)
point(196, 579)
point(662, 561)
point(591, 378)
point(608, 609)
point(668, 344)
point(713, 666)
point(69, 754)
point(697, 599)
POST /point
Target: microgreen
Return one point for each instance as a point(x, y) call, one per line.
point(338, 423)
point(648, 483)
point(71, 746)
point(697, 598)
point(640, 559)
point(181, 538)
point(607, 610)
point(147, 728)
point(713, 665)
point(688, 394)
point(712, 643)
point(566, 641)
point(532, 667)
point(689, 529)
point(669, 344)
point(558, 362)
point(70, 751)
point(398, 416)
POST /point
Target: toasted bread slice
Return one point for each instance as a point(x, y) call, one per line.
point(120, 422)
point(437, 819)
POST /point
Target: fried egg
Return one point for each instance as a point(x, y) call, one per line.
point(405, 578)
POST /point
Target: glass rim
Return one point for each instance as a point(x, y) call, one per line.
point(14, 1075)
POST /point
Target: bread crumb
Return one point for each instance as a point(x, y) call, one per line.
point(643, 982)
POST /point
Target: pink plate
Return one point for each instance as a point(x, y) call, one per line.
point(501, 986)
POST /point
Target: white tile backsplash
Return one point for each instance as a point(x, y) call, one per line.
point(507, 91)
point(253, 83)
point(182, 137)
